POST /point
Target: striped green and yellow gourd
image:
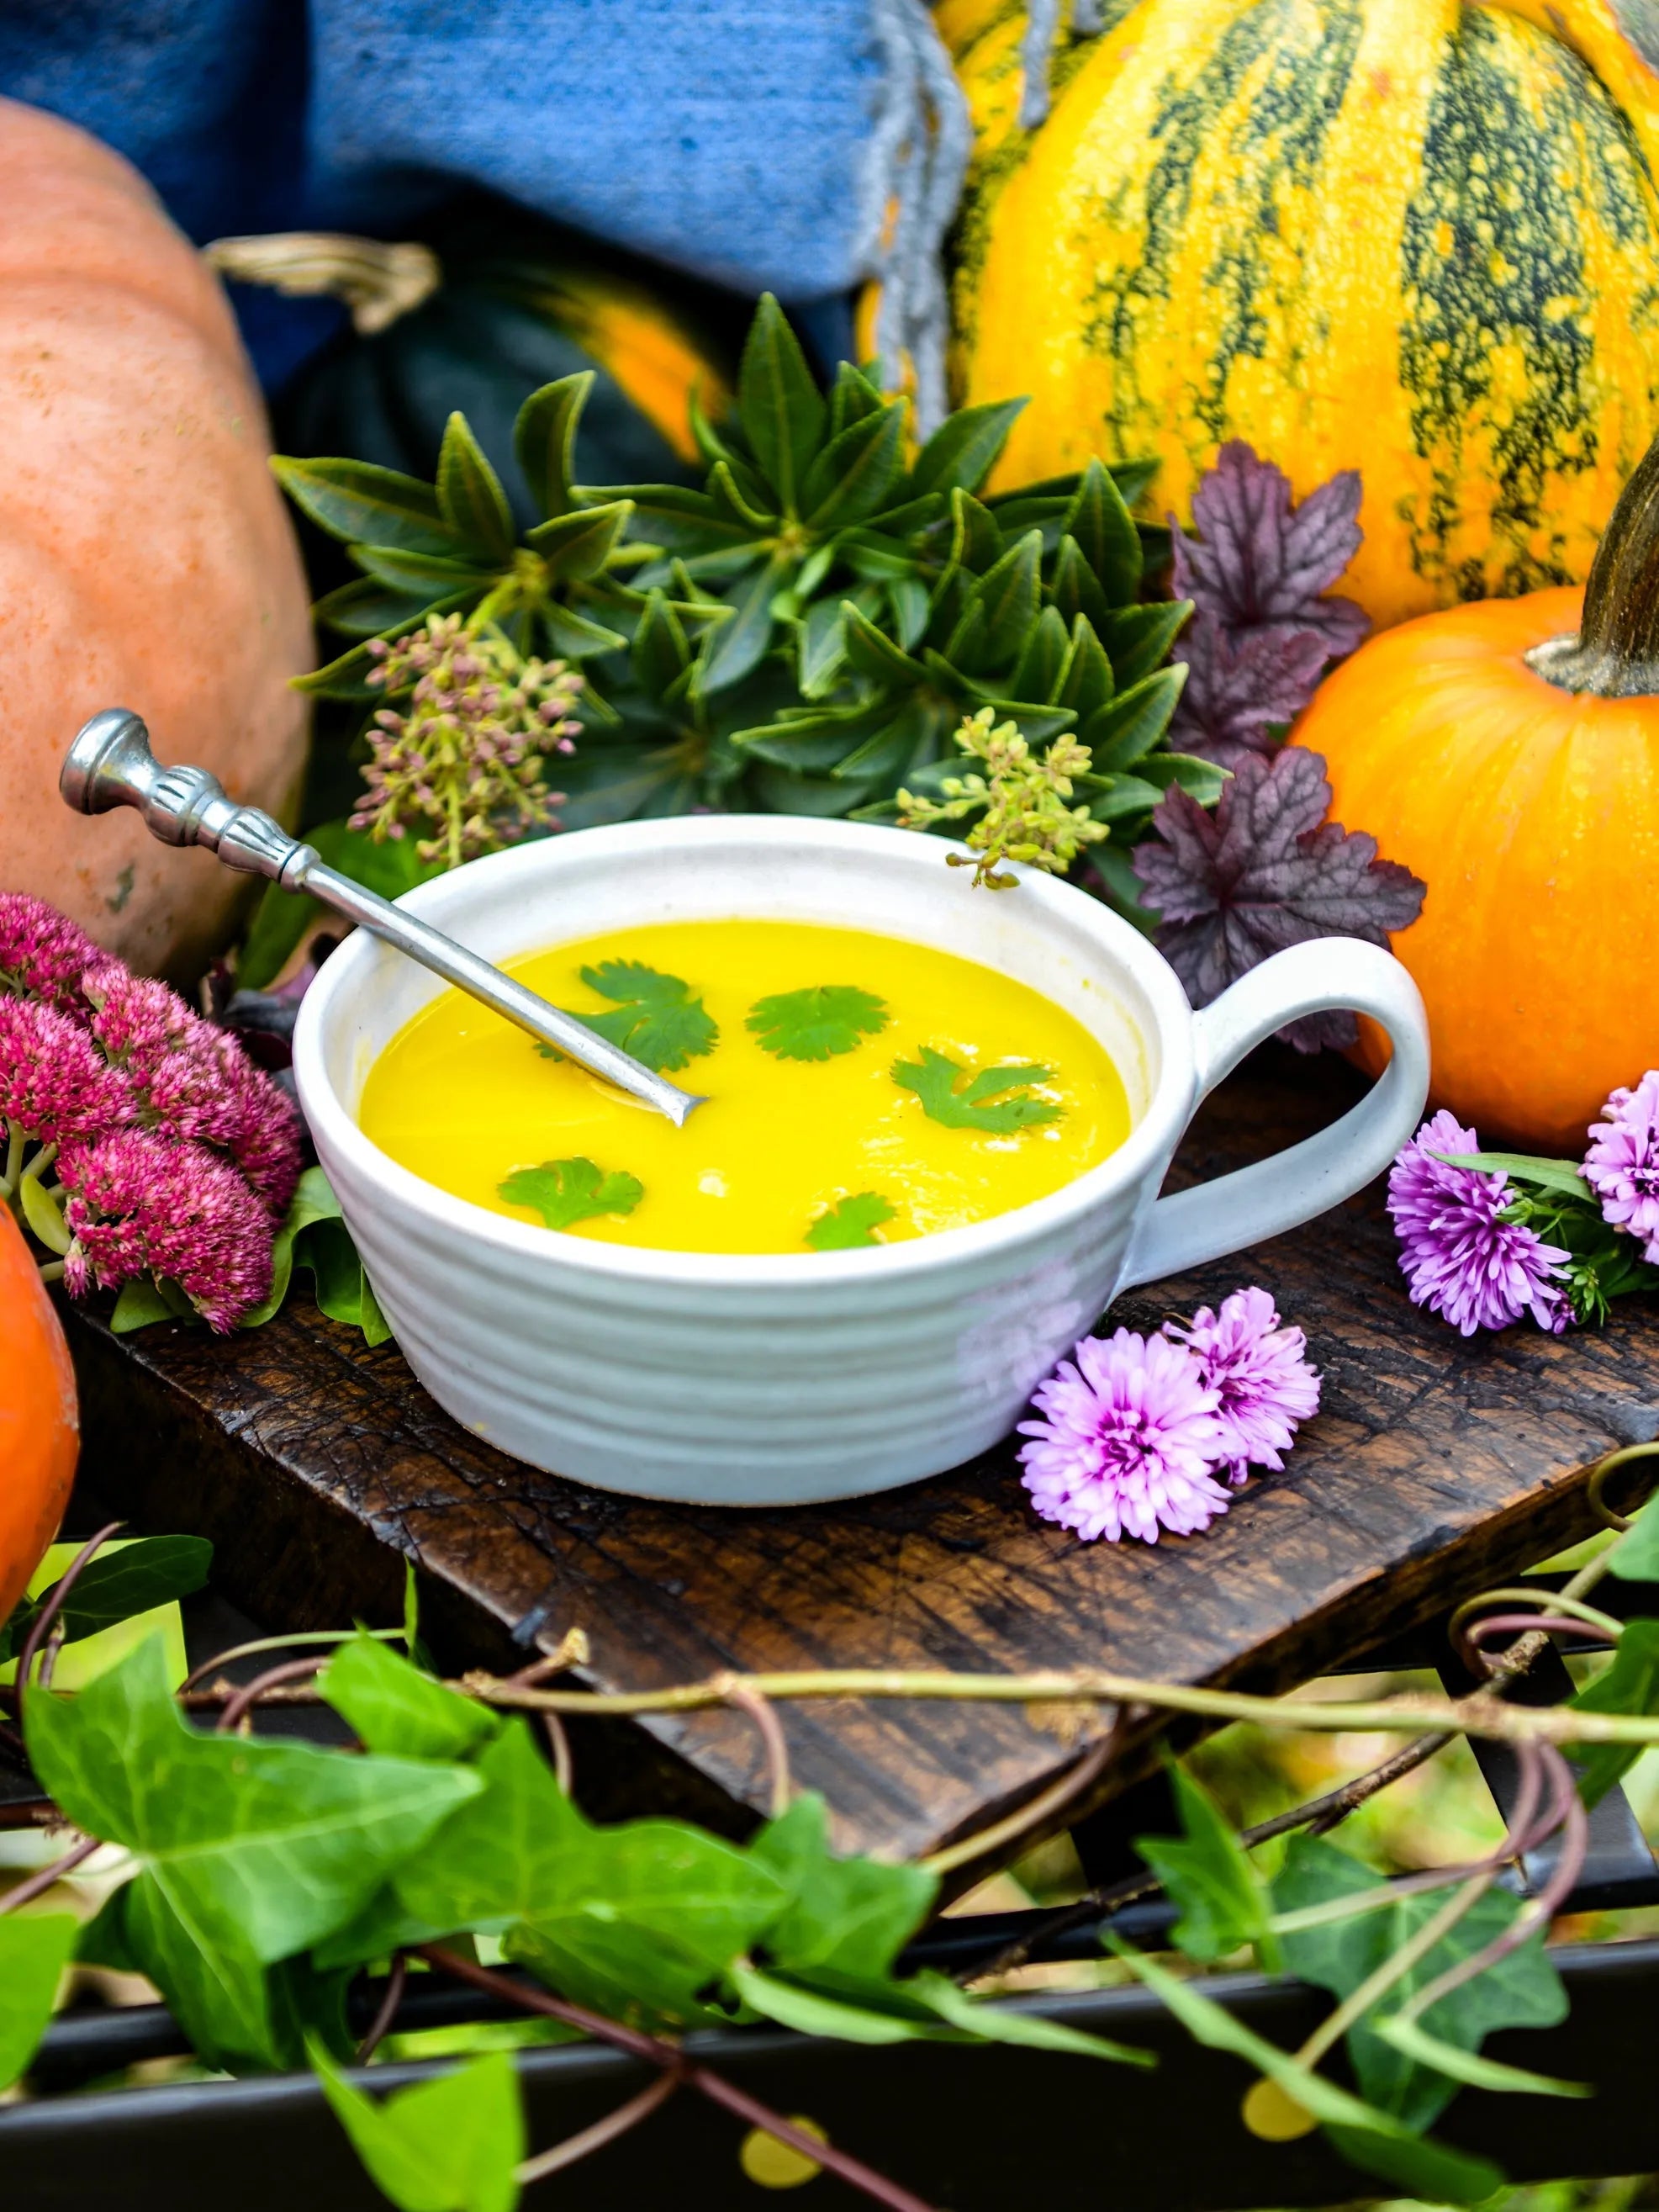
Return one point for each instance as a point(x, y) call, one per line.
point(1419, 237)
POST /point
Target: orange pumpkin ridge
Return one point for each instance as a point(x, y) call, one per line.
point(40, 1425)
point(1523, 783)
point(146, 559)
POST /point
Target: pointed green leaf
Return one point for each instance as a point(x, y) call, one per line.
point(1073, 589)
point(907, 597)
point(1007, 598)
point(1563, 1177)
point(1635, 1557)
point(1629, 1684)
point(1132, 479)
point(660, 653)
point(1414, 2041)
point(995, 2023)
point(120, 1584)
point(544, 440)
point(344, 678)
point(740, 497)
point(1121, 735)
point(807, 740)
point(425, 575)
point(469, 495)
point(679, 520)
point(393, 1708)
point(821, 649)
point(855, 472)
point(731, 651)
point(876, 656)
point(876, 558)
point(34, 1949)
point(779, 404)
point(1208, 1874)
point(1038, 671)
point(852, 397)
point(574, 636)
point(854, 1914)
point(962, 451)
point(449, 2145)
point(366, 505)
point(579, 544)
point(1085, 682)
point(1099, 522)
point(366, 609)
point(891, 753)
point(976, 541)
point(1138, 638)
point(269, 1845)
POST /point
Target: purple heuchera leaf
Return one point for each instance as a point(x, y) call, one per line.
point(1264, 871)
point(1262, 631)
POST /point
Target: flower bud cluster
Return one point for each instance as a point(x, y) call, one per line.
point(1021, 801)
point(467, 752)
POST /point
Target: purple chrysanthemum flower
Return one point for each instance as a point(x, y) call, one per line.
point(43, 953)
point(1128, 1443)
point(1257, 1369)
point(1622, 1165)
point(140, 1204)
point(1461, 1260)
point(54, 1082)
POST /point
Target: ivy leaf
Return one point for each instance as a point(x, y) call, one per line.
point(1635, 1557)
point(451, 2145)
point(656, 1018)
point(853, 1916)
point(1629, 1684)
point(565, 1192)
point(1266, 871)
point(132, 1579)
point(34, 1949)
point(982, 1104)
point(1207, 1873)
point(255, 1847)
point(926, 2009)
point(1522, 1991)
point(819, 1023)
point(1374, 2140)
point(394, 1708)
point(850, 1226)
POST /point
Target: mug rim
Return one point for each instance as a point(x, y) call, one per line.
point(334, 1128)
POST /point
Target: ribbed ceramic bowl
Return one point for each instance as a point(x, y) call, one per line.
point(780, 1380)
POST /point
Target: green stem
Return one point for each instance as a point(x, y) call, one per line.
point(1394, 1968)
point(1616, 652)
point(51, 1271)
point(14, 1157)
point(38, 1166)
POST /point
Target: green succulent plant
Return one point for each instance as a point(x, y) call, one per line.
point(806, 633)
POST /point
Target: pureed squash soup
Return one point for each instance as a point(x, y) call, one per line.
point(861, 1091)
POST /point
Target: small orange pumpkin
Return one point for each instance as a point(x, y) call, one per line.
point(1508, 750)
point(39, 1424)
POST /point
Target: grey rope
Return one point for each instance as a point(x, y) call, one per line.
point(919, 157)
point(1041, 29)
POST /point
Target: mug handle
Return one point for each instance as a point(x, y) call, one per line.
point(1254, 1203)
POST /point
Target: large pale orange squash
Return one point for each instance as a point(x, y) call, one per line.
point(1508, 752)
point(145, 557)
point(39, 1423)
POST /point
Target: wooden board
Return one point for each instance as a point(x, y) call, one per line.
point(317, 1465)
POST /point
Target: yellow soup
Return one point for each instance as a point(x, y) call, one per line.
point(861, 1091)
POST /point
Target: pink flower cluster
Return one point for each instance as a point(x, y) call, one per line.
point(1139, 1427)
point(176, 1156)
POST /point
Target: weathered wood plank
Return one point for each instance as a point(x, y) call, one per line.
point(316, 1465)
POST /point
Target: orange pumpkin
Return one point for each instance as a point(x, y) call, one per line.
point(1508, 750)
point(39, 1426)
point(145, 558)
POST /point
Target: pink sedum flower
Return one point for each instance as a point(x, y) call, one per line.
point(43, 953)
point(1461, 1260)
point(1129, 1439)
point(1257, 1368)
point(1622, 1165)
point(142, 1203)
point(54, 1082)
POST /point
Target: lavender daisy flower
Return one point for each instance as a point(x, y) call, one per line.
point(1257, 1369)
point(1128, 1443)
point(1461, 1259)
point(1622, 1165)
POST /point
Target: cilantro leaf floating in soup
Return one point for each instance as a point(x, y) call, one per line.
point(811, 1140)
point(565, 1192)
point(655, 1017)
point(852, 1225)
point(935, 1079)
point(817, 1023)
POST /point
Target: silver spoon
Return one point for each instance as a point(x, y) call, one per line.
point(110, 764)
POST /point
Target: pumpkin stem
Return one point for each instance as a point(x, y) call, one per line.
point(1616, 652)
point(379, 282)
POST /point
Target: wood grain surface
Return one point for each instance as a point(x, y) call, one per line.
point(317, 1465)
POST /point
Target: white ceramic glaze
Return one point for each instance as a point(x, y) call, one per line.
point(783, 1379)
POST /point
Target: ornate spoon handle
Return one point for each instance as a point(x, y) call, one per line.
point(110, 764)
